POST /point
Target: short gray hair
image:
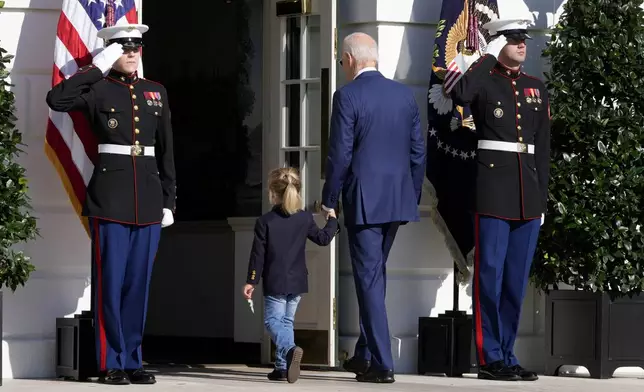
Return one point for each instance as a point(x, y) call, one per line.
point(363, 50)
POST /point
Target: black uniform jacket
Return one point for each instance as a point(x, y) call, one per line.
point(508, 106)
point(130, 111)
point(278, 253)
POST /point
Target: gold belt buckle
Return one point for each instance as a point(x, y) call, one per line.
point(135, 151)
point(523, 147)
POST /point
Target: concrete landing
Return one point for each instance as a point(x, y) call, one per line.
point(245, 379)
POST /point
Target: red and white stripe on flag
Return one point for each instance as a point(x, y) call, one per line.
point(452, 76)
point(70, 144)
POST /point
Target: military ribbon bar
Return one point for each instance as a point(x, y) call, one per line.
point(152, 95)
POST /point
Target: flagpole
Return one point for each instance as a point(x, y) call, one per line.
point(455, 294)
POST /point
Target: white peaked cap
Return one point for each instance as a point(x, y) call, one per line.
point(122, 31)
point(513, 15)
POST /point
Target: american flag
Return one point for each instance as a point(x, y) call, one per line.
point(69, 142)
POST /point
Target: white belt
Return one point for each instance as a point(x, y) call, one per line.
point(506, 146)
point(120, 149)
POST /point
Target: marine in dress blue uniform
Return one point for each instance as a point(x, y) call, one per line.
point(130, 196)
point(511, 114)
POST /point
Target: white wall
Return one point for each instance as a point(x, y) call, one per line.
point(420, 280)
point(60, 286)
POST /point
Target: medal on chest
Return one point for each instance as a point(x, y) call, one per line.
point(532, 95)
point(153, 98)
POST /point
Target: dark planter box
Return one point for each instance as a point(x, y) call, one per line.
point(75, 348)
point(588, 329)
point(444, 344)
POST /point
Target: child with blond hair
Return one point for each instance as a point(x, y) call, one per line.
point(278, 256)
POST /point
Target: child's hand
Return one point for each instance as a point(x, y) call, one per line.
point(248, 291)
point(331, 214)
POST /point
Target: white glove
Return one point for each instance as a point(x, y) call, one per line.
point(107, 57)
point(168, 218)
point(543, 218)
point(496, 46)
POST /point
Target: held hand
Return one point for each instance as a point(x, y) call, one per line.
point(168, 218)
point(327, 212)
point(107, 57)
point(248, 291)
point(543, 218)
point(496, 46)
point(331, 214)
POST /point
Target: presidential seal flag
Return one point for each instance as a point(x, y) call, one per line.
point(451, 139)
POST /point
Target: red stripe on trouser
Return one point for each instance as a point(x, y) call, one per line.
point(478, 328)
point(99, 298)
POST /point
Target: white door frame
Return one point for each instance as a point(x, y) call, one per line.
point(275, 145)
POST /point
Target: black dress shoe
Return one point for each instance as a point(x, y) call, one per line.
point(293, 360)
point(114, 377)
point(498, 371)
point(140, 376)
point(377, 376)
point(356, 365)
point(277, 375)
point(526, 375)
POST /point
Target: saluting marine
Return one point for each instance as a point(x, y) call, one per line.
point(512, 117)
point(130, 196)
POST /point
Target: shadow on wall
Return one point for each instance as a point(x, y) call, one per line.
point(60, 285)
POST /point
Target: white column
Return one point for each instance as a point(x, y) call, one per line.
point(419, 270)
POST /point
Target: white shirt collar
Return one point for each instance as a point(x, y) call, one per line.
point(363, 70)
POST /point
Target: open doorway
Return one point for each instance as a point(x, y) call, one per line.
point(209, 58)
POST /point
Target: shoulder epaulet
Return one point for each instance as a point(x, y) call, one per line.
point(531, 77)
point(152, 81)
point(86, 68)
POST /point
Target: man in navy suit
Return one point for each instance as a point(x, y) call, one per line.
point(376, 160)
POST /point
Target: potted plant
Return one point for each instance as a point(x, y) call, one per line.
point(593, 237)
point(16, 224)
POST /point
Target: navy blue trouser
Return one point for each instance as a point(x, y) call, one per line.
point(503, 255)
point(123, 255)
point(369, 246)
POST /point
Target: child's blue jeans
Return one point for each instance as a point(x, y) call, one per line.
point(279, 315)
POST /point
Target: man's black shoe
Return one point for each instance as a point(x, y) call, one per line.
point(356, 365)
point(114, 377)
point(293, 360)
point(140, 376)
point(277, 375)
point(526, 375)
point(377, 376)
point(498, 371)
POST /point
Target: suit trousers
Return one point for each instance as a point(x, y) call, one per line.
point(503, 255)
point(369, 246)
point(123, 255)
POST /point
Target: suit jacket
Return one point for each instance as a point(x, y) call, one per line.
point(125, 110)
point(278, 252)
point(376, 153)
point(508, 106)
